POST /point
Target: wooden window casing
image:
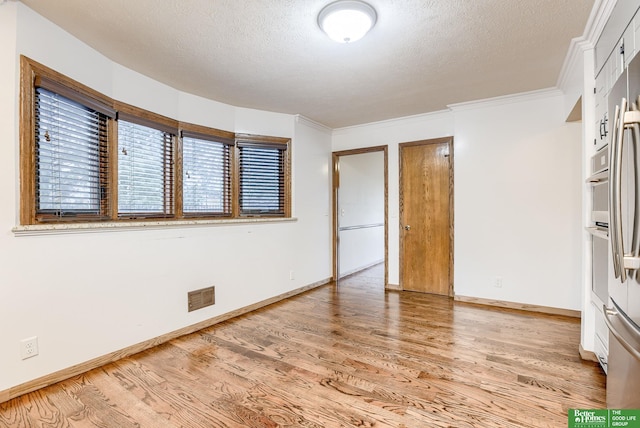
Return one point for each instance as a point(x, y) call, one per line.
point(146, 164)
point(263, 167)
point(211, 175)
point(70, 143)
point(207, 164)
point(79, 137)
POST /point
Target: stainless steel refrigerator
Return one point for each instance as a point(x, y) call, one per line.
point(623, 312)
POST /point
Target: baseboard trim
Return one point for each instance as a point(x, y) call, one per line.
point(393, 287)
point(588, 355)
point(520, 306)
point(84, 367)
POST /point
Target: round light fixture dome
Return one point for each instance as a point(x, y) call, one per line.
point(346, 21)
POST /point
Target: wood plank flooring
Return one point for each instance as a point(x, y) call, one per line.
point(353, 356)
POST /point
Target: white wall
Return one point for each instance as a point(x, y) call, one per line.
point(312, 252)
point(518, 201)
point(517, 195)
point(87, 294)
point(361, 203)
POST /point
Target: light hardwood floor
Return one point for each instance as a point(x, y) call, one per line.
point(353, 356)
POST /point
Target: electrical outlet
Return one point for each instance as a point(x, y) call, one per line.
point(29, 347)
point(498, 282)
point(291, 275)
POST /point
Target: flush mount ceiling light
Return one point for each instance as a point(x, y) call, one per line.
point(346, 21)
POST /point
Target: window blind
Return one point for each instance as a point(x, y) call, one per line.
point(262, 178)
point(145, 171)
point(70, 158)
point(206, 170)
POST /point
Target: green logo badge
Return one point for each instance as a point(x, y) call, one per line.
point(579, 418)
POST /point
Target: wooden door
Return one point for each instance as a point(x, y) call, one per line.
point(426, 226)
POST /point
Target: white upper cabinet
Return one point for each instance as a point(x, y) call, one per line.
point(615, 49)
point(629, 42)
point(613, 31)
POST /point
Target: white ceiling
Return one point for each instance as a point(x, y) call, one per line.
point(270, 54)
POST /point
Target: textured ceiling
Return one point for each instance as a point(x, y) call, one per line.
point(270, 54)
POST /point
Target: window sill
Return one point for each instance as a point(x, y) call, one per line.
point(66, 228)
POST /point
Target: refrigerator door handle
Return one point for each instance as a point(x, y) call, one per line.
point(634, 123)
point(612, 185)
point(615, 212)
point(608, 312)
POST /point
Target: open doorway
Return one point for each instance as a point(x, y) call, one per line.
point(360, 233)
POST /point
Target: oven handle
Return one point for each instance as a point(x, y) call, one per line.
point(625, 344)
point(599, 177)
point(598, 233)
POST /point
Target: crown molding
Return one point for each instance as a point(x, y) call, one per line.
point(453, 108)
point(600, 14)
point(574, 58)
point(417, 118)
point(506, 99)
point(303, 120)
point(595, 24)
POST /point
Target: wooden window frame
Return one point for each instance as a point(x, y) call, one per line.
point(32, 72)
point(267, 141)
point(169, 126)
point(212, 134)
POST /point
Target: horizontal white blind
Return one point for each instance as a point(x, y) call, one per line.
point(71, 157)
point(206, 183)
point(145, 171)
point(262, 180)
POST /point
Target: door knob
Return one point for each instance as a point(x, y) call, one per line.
point(407, 227)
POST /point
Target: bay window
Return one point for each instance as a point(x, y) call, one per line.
point(85, 157)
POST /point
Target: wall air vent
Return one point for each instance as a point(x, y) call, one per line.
point(202, 298)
